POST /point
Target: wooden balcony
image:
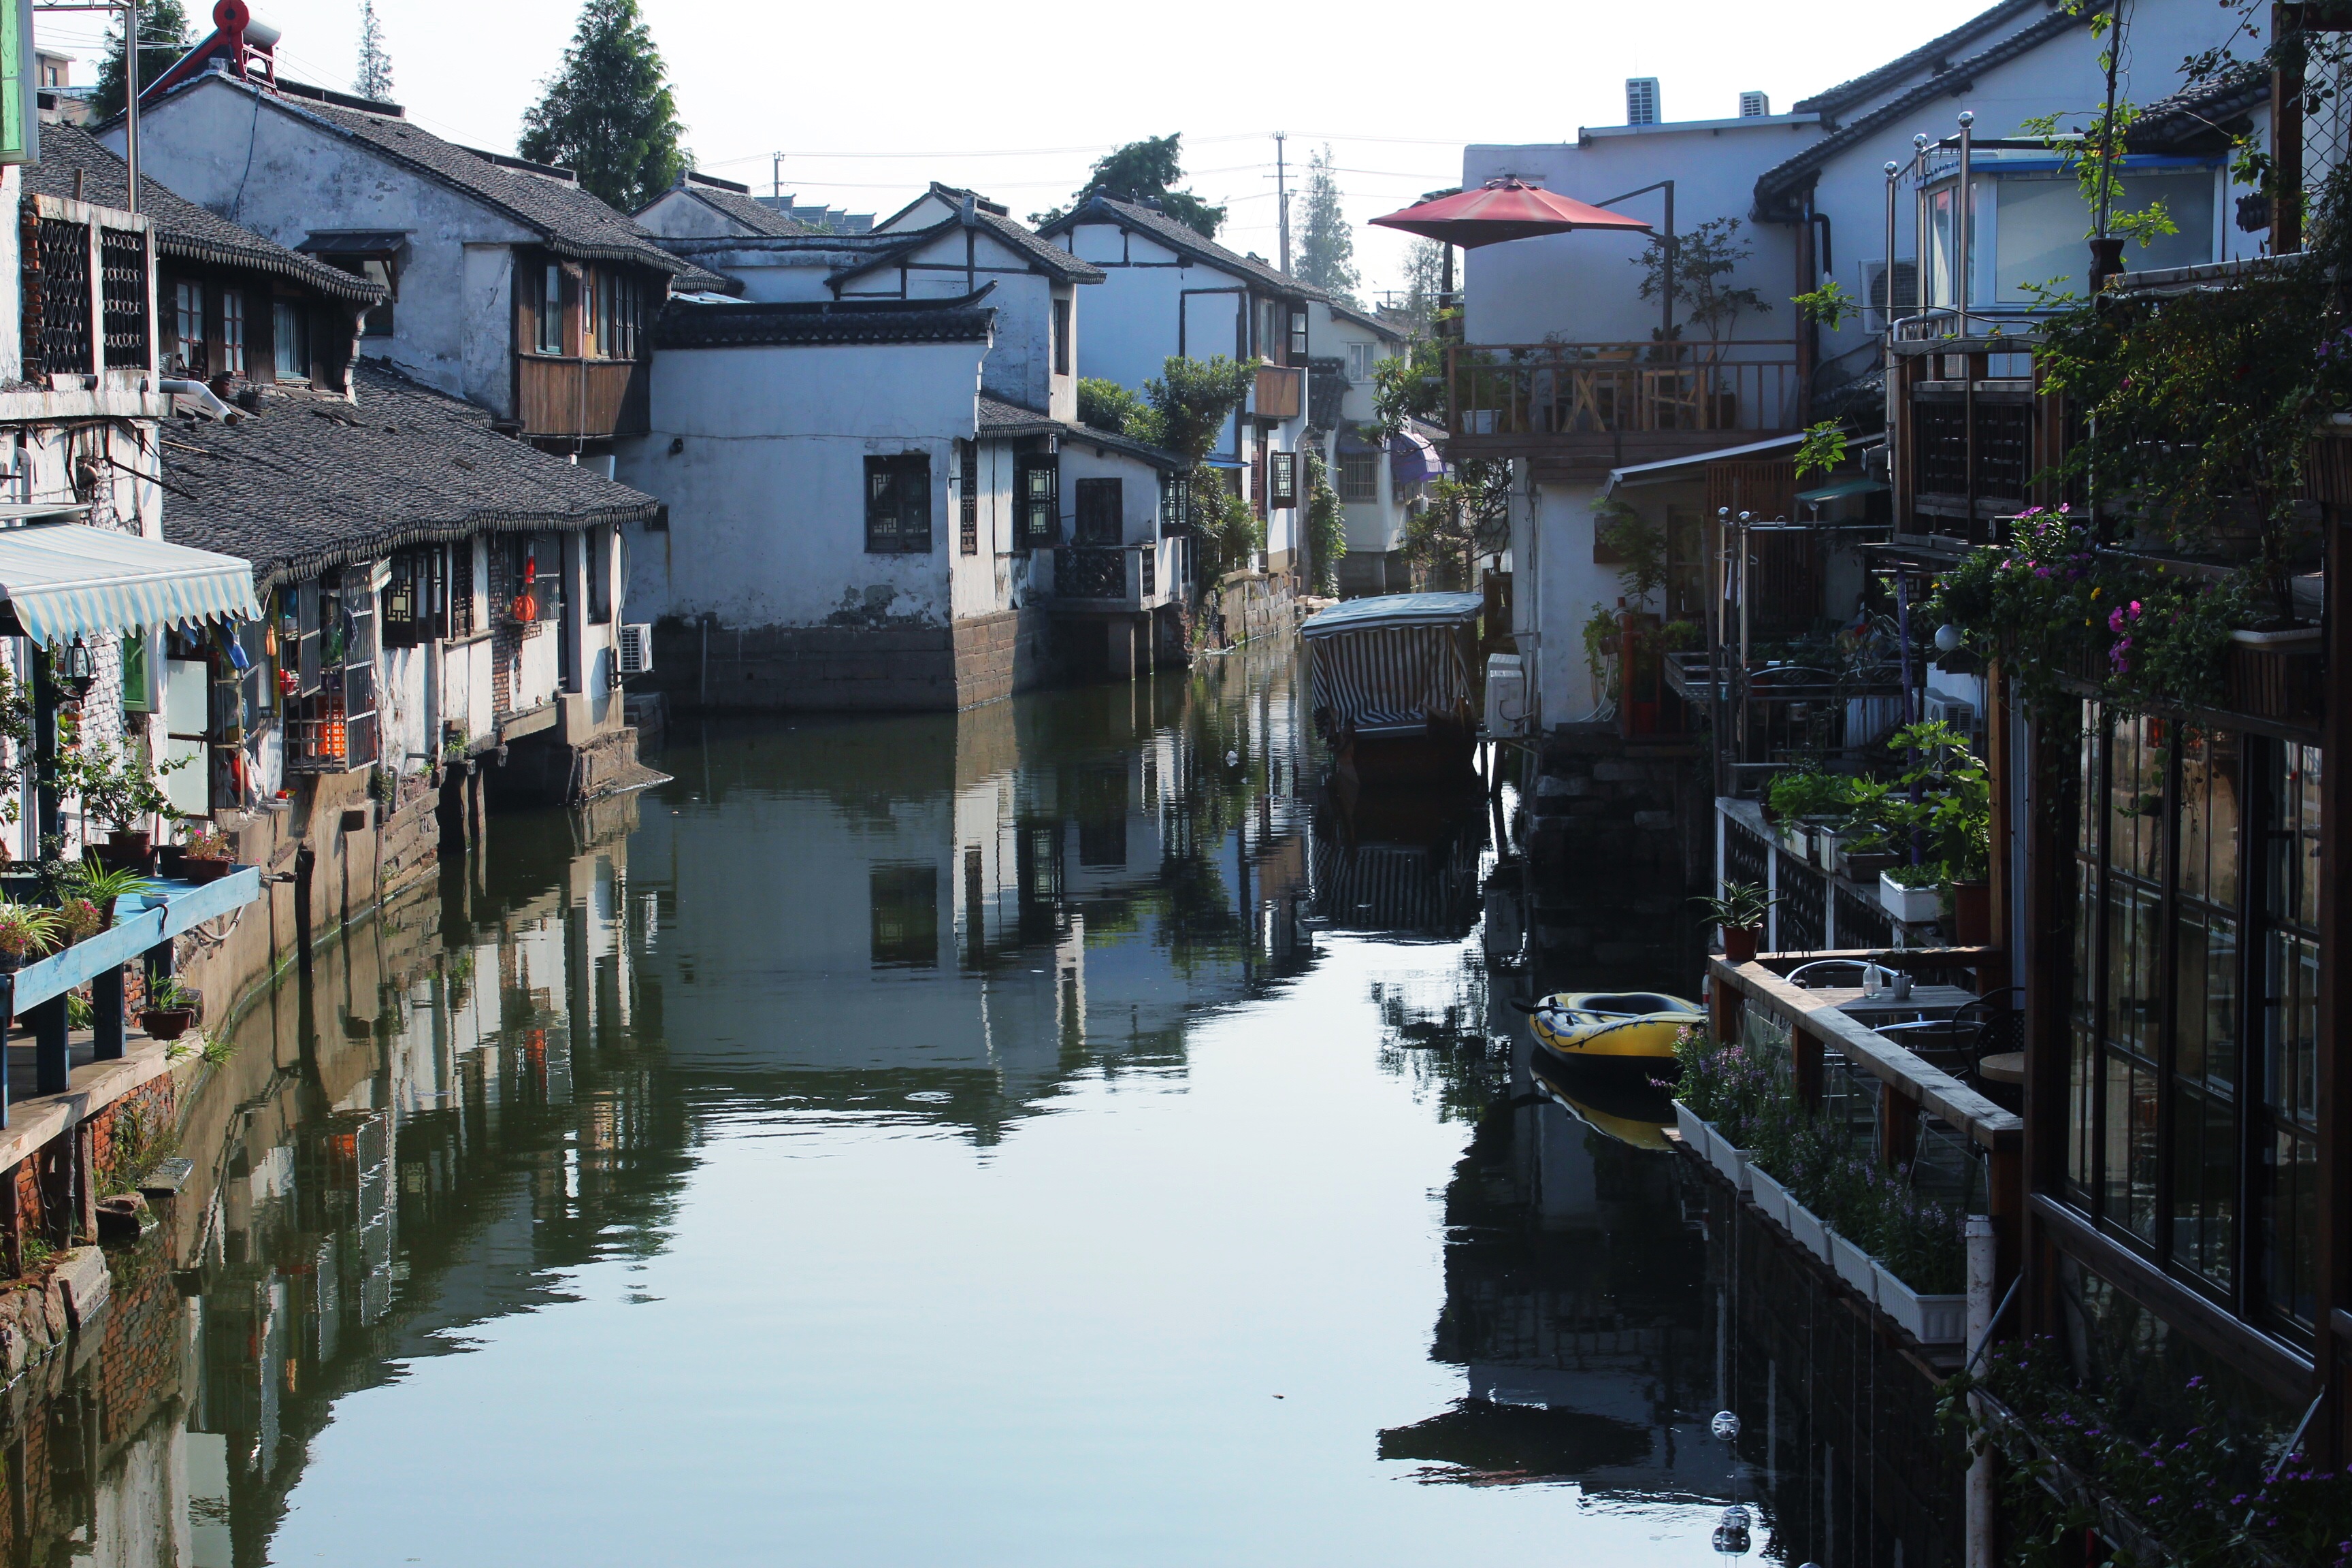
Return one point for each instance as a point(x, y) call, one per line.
point(1115, 577)
point(586, 399)
point(1605, 405)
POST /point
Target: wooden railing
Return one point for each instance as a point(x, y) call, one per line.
point(584, 397)
point(1599, 389)
point(1116, 576)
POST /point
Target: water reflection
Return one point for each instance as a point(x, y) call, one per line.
point(1050, 1134)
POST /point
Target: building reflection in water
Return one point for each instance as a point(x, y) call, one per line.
point(929, 923)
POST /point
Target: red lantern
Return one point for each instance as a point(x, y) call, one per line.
point(525, 609)
point(288, 682)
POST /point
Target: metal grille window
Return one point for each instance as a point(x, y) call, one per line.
point(1040, 490)
point(64, 292)
point(188, 323)
point(1360, 477)
point(122, 269)
point(1282, 479)
point(898, 505)
point(968, 500)
point(232, 338)
point(333, 728)
point(1099, 504)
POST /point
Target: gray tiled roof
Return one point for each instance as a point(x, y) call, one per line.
point(737, 206)
point(570, 220)
point(1047, 257)
point(313, 481)
point(2200, 112)
point(1367, 321)
point(1002, 421)
point(1778, 187)
point(1183, 241)
point(182, 228)
point(961, 319)
point(1933, 53)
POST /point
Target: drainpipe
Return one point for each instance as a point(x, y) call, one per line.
point(1887, 316)
point(1979, 1526)
point(1963, 207)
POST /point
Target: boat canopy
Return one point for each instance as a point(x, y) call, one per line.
point(1394, 662)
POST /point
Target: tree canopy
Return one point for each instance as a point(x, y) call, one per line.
point(1326, 247)
point(162, 40)
point(372, 79)
point(1141, 171)
point(608, 115)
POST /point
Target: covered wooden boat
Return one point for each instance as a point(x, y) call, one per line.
point(1396, 684)
point(1612, 1026)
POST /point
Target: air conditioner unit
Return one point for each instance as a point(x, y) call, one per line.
point(1958, 712)
point(1507, 695)
point(1873, 291)
point(637, 650)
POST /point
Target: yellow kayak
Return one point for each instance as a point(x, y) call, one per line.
point(1590, 1026)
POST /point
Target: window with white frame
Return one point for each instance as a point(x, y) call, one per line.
point(1362, 358)
point(1360, 477)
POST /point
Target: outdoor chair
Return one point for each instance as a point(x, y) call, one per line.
point(1947, 1043)
point(1829, 975)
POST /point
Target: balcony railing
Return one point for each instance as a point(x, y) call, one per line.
point(586, 397)
point(1568, 390)
point(1114, 576)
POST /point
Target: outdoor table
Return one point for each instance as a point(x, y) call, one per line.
point(1926, 1002)
point(2002, 1066)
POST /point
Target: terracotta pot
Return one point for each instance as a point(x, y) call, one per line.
point(167, 1023)
point(1972, 914)
point(170, 861)
point(1740, 944)
point(205, 868)
point(137, 841)
point(119, 856)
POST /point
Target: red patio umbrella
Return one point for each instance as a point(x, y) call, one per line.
point(1504, 209)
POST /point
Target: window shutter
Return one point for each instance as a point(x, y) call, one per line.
point(306, 650)
point(359, 667)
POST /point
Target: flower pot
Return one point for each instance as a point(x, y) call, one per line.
point(1971, 913)
point(138, 841)
point(1740, 944)
point(169, 860)
point(1731, 1162)
point(11, 962)
point(205, 867)
point(1854, 1266)
point(1809, 1231)
point(1865, 865)
point(1770, 1195)
point(1930, 1319)
point(1695, 1134)
point(118, 857)
point(1825, 848)
point(167, 1023)
point(1912, 906)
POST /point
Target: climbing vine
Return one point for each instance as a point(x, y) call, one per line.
point(1326, 525)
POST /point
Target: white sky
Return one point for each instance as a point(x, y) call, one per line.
point(1017, 101)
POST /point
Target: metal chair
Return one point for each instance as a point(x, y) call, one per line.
point(1829, 973)
point(1945, 1043)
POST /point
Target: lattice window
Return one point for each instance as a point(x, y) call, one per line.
point(1803, 906)
point(123, 274)
point(1942, 447)
point(968, 503)
point(1090, 574)
point(1149, 564)
point(64, 291)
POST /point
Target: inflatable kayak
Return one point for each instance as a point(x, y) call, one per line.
point(1597, 1025)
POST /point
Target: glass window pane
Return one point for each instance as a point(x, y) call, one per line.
point(2129, 1195)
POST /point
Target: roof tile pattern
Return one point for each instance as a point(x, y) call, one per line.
point(804, 323)
point(1185, 241)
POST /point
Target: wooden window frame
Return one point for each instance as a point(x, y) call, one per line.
point(968, 500)
point(1037, 505)
point(1358, 479)
point(1061, 331)
point(1281, 480)
point(1099, 512)
point(1299, 338)
point(236, 337)
point(899, 504)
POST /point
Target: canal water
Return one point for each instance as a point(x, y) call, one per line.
point(1051, 1134)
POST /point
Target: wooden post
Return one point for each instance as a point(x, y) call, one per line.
point(52, 1063)
point(1806, 1052)
point(85, 1184)
point(2333, 1446)
point(106, 1016)
point(1723, 1005)
point(12, 1224)
point(1898, 1125)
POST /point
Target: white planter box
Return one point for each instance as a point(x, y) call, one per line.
point(1696, 1133)
point(1809, 1230)
point(1912, 906)
point(1856, 1266)
point(1731, 1162)
point(1770, 1195)
point(1931, 1320)
point(1825, 848)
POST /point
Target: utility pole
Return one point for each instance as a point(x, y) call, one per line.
point(776, 175)
point(1282, 198)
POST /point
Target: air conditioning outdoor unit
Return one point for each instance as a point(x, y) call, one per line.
point(636, 649)
point(1956, 712)
point(1507, 695)
point(1873, 291)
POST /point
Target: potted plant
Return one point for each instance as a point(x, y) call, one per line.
point(101, 887)
point(1921, 1272)
point(1739, 913)
point(1912, 893)
point(119, 787)
point(79, 919)
point(27, 931)
point(205, 857)
point(170, 1011)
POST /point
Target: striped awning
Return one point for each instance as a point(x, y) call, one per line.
point(64, 580)
point(1392, 677)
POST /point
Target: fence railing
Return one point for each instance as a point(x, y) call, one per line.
point(1595, 389)
point(1132, 575)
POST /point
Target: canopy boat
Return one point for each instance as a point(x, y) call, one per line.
point(1612, 1026)
point(1396, 691)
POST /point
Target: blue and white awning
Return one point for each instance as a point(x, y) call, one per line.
point(64, 580)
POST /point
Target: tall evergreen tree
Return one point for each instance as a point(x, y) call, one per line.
point(162, 40)
point(608, 115)
point(1327, 249)
point(374, 77)
point(1145, 169)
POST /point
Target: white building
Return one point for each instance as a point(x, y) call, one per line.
point(1170, 291)
point(1561, 376)
point(1346, 347)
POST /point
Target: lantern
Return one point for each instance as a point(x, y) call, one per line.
point(75, 668)
point(524, 608)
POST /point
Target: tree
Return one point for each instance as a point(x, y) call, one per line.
point(1468, 515)
point(1326, 525)
point(1424, 285)
point(608, 115)
point(374, 77)
point(162, 40)
point(1326, 249)
point(1106, 406)
point(1186, 412)
point(1141, 171)
point(1705, 259)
